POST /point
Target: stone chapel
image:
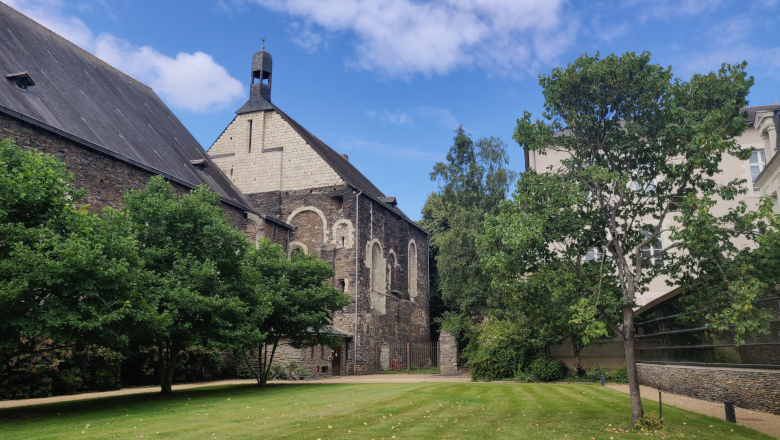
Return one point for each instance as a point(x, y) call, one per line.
point(380, 256)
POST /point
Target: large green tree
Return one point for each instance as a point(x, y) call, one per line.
point(473, 181)
point(301, 299)
point(637, 141)
point(197, 283)
point(65, 273)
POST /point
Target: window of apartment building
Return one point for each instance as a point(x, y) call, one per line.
point(593, 254)
point(648, 253)
point(757, 164)
point(639, 184)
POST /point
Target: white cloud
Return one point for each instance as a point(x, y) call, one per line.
point(395, 117)
point(398, 153)
point(406, 37)
point(193, 82)
point(439, 115)
point(672, 9)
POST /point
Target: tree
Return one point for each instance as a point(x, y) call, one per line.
point(472, 182)
point(196, 283)
point(538, 236)
point(301, 299)
point(638, 142)
point(65, 274)
point(718, 279)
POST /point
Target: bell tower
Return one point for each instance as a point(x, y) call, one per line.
point(260, 84)
point(262, 65)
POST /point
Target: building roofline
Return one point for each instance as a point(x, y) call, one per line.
point(135, 163)
point(392, 209)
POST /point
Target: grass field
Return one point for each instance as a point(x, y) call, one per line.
point(363, 411)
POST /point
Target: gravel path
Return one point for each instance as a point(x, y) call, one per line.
point(373, 378)
point(760, 421)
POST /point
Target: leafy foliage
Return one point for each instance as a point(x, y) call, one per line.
point(499, 350)
point(472, 182)
point(637, 141)
point(547, 369)
point(300, 301)
point(197, 286)
point(65, 273)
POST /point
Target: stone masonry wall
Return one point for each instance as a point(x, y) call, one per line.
point(279, 158)
point(316, 360)
point(323, 221)
point(448, 354)
point(104, 178)
point(751, 389)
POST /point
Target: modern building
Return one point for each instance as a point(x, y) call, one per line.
point(678, 354)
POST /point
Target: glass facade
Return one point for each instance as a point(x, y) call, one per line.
point(671, 333)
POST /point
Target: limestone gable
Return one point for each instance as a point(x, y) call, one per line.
point(261, 152)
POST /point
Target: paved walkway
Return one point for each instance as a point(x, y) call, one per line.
point(372, 378)
point(760, 421)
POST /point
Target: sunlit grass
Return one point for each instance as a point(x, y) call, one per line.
point(364, 411)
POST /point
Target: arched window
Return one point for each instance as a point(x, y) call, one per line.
point(377, 269)
point(412, 270)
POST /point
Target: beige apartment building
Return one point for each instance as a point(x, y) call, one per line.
point(767, 182)
point(762, 180)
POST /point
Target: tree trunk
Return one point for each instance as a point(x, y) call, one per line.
point(577, 350)
point(633, 378)
point(266, 361)
point(167, 366)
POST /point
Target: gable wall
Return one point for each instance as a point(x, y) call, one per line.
point(279, 159)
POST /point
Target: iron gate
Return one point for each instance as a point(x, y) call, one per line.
point(407, 357)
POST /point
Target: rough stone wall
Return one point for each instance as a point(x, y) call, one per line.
point(313, 359)
point(104, 179)
point(752, 389)
point(448, 354)
point(279, 158)
point(401, 319)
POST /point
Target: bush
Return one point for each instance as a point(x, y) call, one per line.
point(618, 375)
point(499, 351)
point(297, 372)
point(277, 373)
point(43, 369)
point(547, 370)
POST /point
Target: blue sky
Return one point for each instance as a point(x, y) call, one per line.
point(387, 81)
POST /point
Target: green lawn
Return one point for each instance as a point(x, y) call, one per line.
point(365, 411)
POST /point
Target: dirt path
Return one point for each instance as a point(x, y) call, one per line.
point(760, 421)
point(373, 378)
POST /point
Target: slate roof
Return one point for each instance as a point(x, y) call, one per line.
point(751, 111)
point(78, 96)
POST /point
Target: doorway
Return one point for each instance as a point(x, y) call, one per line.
point(335, 362)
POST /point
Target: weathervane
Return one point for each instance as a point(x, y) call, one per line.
point(263, 43)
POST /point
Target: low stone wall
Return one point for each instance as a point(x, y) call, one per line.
point(748, 388)
point(448, 354)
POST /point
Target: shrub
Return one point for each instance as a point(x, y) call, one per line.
point(498, 351)
point(297, 372)
point(547, 370)
point(618, 375)
point(649, 423)
point(277, 373)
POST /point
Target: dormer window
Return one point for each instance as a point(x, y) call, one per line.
point(23, 80)
point(200, 164)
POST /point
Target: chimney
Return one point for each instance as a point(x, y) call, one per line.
point(344, 156)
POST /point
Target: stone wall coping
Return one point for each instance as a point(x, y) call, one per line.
point(696, 367)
